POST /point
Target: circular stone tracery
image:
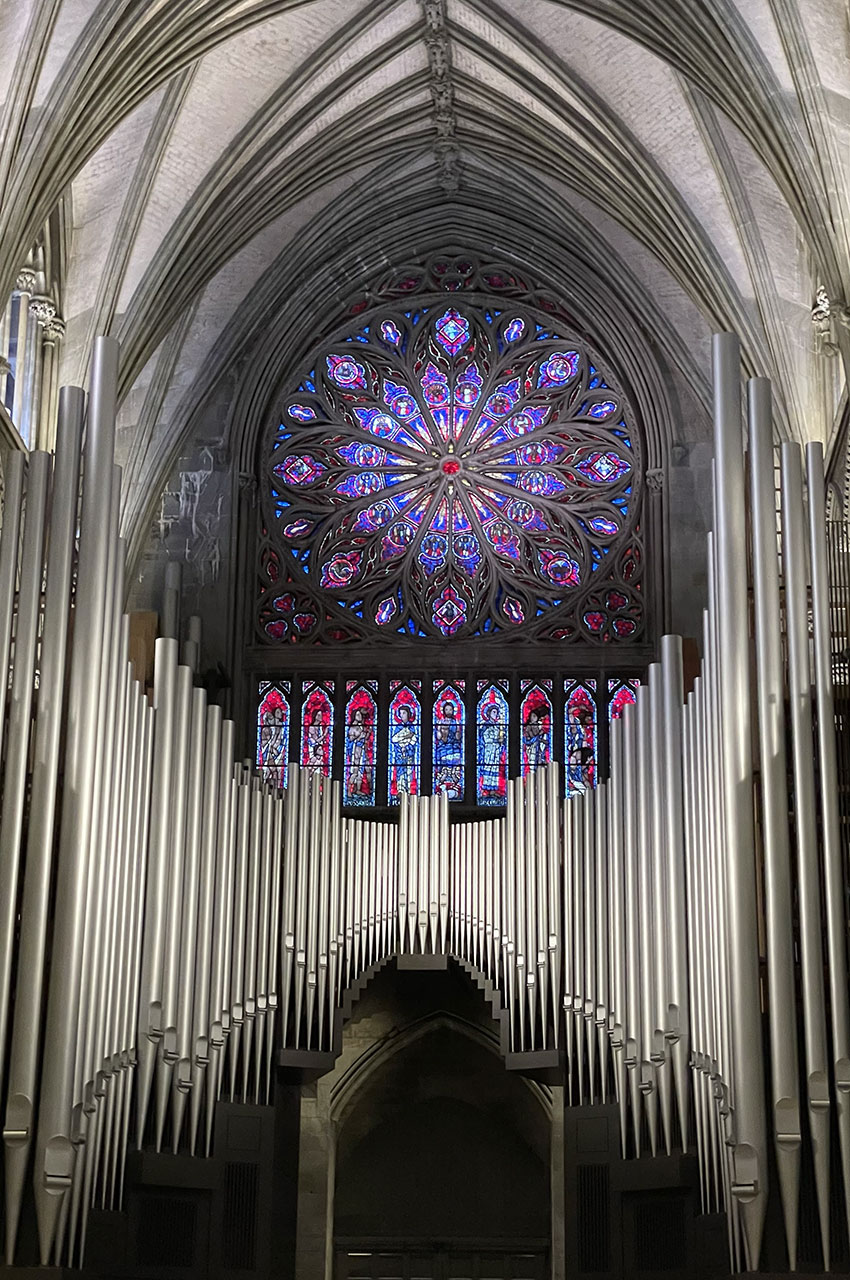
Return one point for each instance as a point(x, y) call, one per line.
point(455, 470)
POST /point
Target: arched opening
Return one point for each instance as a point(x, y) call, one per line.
point(442, 1164)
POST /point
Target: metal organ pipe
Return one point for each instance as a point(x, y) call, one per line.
point(833, 875)
point(808, 871)
point(207, 921)
point(785, 1093)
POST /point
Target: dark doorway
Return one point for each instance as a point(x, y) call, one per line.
point(443, 1160)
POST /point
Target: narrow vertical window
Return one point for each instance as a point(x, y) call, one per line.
point(404, 768)
point(273, 732)
point(580, 736)
point(491, 742)
point(449, 724)
point(620, 694)
point(536, 724)
point(361, 715)
point(317, 726)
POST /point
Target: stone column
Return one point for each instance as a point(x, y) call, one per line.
point(5, 335)
point(24, 286)
point(42, 311)
point(53, 331)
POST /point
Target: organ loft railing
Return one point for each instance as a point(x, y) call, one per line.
point(171, 926)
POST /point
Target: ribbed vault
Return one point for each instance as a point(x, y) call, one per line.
point(238, 170)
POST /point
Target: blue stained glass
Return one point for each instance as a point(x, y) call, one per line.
point(398, 537)
point(432, 552)
point(536, 721)
point(376, 516)
point(603, 467)
point(503, 539)
point(452, 331)
point(558, 369)
point(399, 398)
point(492, 747)
point(300, 469)
point(346, 372)
point(298, 528)
point(448, 750)
point(503, 399)
point(580, 736)
point(386, 611)
point(317, 727)
point(435, 387)
point(364, 454)
point(560, 568)
point(390, 333)
point(273, 732)
point(358, 486)
point(360, 725)
point(513, 610)
point(453, 403)
point(467, 551)
point(341, 569)
point(449, 611)
point(404, 763)
point(385, 427)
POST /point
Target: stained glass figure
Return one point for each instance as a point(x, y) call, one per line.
point(491, 775)
point(317, 727)
point(404, 768)
point(449, 724)
point(620, 694)
point(580, 736)
point(273, 732)
point(361, 716)
point(536, 722)
point(451, 471)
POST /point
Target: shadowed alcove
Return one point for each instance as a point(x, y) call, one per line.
point(435, 1140)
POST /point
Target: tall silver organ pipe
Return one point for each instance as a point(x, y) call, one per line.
point(209, 925)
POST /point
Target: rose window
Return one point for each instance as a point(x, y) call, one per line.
point(454, 471)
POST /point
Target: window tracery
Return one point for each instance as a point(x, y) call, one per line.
point(462, 468)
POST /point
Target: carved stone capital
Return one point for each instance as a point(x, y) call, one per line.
point(26, 280)
point(42, 309)
point(54, 330)
point(822, 323)
point(655, 479)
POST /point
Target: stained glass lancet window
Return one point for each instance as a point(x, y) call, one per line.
point(273, 732)
point(620, 694)
point(317, 726)
point(454, 470)
point(448, 750)
point(580, 735)
point(405, 742)
point(536, 724)
point(491, 739)
point(361, 716)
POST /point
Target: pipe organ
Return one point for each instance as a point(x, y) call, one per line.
point(169, 924)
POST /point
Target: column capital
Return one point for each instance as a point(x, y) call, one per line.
point(42, 309)
point(26, 280)
point(54, 329)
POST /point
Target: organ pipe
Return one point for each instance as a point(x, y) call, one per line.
point(207, 922)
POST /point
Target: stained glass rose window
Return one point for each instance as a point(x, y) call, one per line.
point(454, 471)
